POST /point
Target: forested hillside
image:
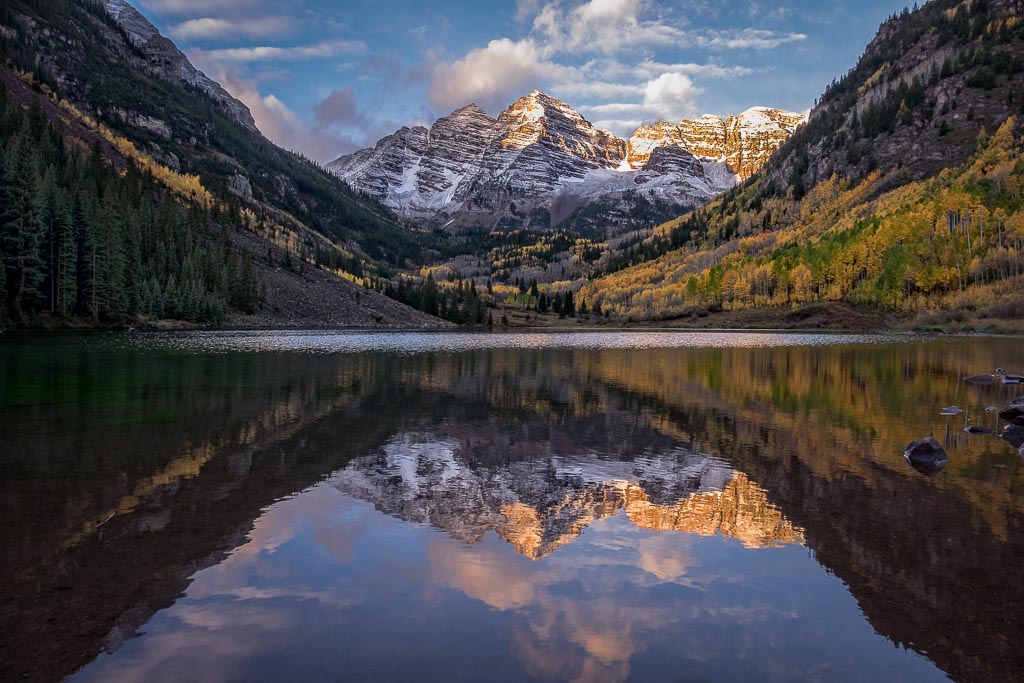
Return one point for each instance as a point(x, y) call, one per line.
point(952, 243)
point(177, 208)
point(79, 238)
point(78, 51)
point(902, 193)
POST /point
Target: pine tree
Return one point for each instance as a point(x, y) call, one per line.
point(66, 276)
point(21, 231)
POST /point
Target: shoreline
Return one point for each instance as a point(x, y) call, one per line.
point(579, 329)
point(821, 317)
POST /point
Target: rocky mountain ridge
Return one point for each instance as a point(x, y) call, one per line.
point(170, 62)
point(541, 505)
point(927, 84)
point(908, 167)
point(744, 142)
point(540, 160)
point(98, 75)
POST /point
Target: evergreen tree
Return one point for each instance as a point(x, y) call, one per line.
point(66, 276)
point(21, 231)
point(78, 237)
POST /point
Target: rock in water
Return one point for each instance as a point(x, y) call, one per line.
point(977, 429)
point(1014, 435)
point(926, 456)
point(1013, 414)
point(981, 379)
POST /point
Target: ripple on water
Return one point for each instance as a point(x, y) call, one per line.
point(313, 341)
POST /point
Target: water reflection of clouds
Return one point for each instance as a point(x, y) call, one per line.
point(327, 583)
point(588, 610)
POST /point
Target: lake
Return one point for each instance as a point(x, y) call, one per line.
point(265, 506)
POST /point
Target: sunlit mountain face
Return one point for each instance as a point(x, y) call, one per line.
point(547, 501)
point(611, 508)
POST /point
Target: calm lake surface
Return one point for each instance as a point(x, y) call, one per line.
point(266, 506)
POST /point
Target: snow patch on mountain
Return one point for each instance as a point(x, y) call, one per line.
point(471, 169)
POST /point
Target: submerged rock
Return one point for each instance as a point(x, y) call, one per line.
point(1013, 435)
point(978, 429)
point(926, 456)
point(981, 379)
point(1013, 414)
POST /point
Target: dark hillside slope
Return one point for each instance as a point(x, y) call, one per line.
point(99, 83)
point(926, 85)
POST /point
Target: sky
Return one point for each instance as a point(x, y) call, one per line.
point(327, 77)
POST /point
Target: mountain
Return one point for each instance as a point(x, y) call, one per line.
point(540, 161)
point(901, 193)
point(165, 57)
point(145, 190)
point(539, 505)
point(744, 142)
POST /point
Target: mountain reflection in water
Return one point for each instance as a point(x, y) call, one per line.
point(261, 506)
point(539, 505)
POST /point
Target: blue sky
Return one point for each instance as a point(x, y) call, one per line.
point(325, 78)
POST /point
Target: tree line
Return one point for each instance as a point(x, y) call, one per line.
point(81, 240)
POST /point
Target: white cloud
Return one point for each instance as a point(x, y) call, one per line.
point(652, 69)
point(605, 26)
point(618, 35)
point(527, 8)
point(616, 109)
point(598, 89)
point(209, 28)
point(491, 76)
point(671, 96)
point(621, 127)
point(297, 53)
point(745, 39)
point(205, 7)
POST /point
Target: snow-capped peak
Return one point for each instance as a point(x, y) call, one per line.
point(540, 150)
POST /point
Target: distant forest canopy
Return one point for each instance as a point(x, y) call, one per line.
point(80, 239)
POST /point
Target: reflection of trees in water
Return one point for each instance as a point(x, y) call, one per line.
point(186, 450)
